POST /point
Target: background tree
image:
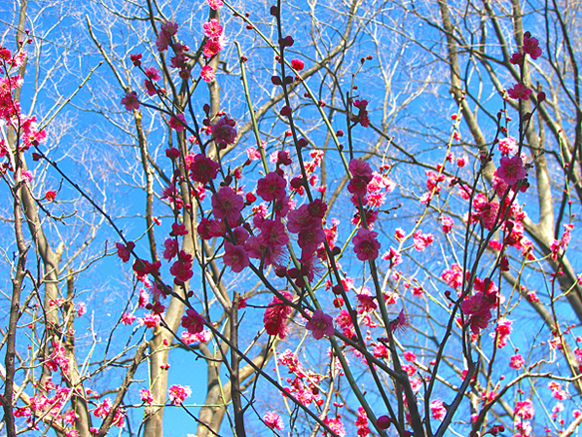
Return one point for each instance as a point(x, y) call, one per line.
point(418, 243)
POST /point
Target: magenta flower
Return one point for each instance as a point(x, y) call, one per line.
point(276, 314)
point(273, 421)
point(226, 204)
point(297, 64)
point(212, 28)
point(178, 394)
point(511, 170)
point(224, 131)
point(130, 101)
point(207, 74)
point(516, 362)
point(366, 246)
point(203, 169)
point(320, 324)
point(272, 187)
point(531, 46)
point(235, 256)
point(507, 146)
point(524, 409)
point(519, 91)
point(178, 122)
point(438, 409)
point(193, 322)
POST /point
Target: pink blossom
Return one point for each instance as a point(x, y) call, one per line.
point(213, 46)
point(409, 356)
point(557, 391)
point(253, 154)
point(151, 320)
point(511, 170)
point(507, 146)
point(273, 421)
point(519, 91)
point(400, 323)
point(164, 39)
point(336, 425)
point(146, 396)
point(124, 251)
point(223, 130)
point(297, 64)
point(127, 319)
point(273, 233)
point(516, 361)
point(178, 394)
point(366, 245)
point(399, 234)
point(212, 28)
point(362, 423)
point(502, 331)
point(215, 4)
point(102, 408)
point(182, 268)
point(393, 256)
point(447, 223)
point(276, 314)
point(320, 324)
point(81, 308)
point(171, 248)
point(422, 241)
point(130, 101)
point(178, 122)
point(202, 169)
point(207, 74)
point(524, 409)
point(235, 256)
point(271, 187)
point(226, 204)
point(438, 409)
point(531, 46)
point(193, 321)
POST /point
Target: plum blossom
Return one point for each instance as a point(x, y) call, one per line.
point(236, 257)
point(438, 409)
point(276, 314)
point(178, 122)
point(215, 4)
point(124, 250)
point(193, 321)
point(130, 101)
point(212, 28)
point(178, 394)
point(273, 421)
point(226, 204)
point(524, 409)
point(421, 240)
point(146, 396)
point(516, 361)
point(531, 46)
point(507, 146)
point(127, 319)
point(297, 64)
point(320, 324)
point(519, 91)
point(207, 74)
point(447, 223)
point(511, 170)
point(271, 187)
point(202, 168)
point(223, 130)
point(366, 246)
